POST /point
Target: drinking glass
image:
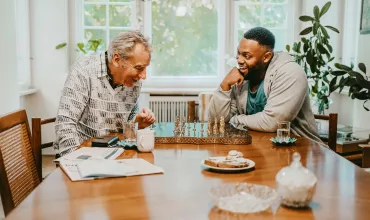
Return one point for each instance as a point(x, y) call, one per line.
point(130, 130)
point(283, 131)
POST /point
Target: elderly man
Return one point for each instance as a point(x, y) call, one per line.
point(267, 88)
point(101, 93)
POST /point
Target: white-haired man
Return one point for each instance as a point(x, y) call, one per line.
point(101, 92)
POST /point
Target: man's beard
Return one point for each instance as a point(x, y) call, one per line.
point(254, 72)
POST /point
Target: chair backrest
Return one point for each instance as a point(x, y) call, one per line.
point(332, 135)
point(18, 171)
point(204, 99)
point(191, 111)
point(37, 139)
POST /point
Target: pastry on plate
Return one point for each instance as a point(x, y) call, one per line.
point(233, 160)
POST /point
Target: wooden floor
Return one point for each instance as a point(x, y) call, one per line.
point(47, 167)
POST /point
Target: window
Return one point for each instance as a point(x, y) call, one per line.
point(184, 38)
point(192, 39)
point(271, 14)
point(104, 19)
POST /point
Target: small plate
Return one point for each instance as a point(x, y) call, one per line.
point(250, 162)
point(283, 143)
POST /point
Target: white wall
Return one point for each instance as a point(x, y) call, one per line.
point(9, 93)
point(49, 67)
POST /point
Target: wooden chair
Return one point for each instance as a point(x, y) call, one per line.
point(37, 140)
point(18, 170)
point(365, 156)
point(331, 140)
point(191, 111)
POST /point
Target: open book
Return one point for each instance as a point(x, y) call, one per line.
point(97, 169)
point(92, 153)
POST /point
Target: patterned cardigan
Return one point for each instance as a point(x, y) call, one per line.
point(89, 106)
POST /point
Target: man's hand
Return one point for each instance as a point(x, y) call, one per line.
point(233, 77)
point(145, 118)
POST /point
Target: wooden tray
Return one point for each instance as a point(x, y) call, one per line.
point(164, 133)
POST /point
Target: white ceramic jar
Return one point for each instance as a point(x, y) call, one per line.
point(295, 184)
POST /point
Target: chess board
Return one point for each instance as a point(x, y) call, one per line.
point(165, 134)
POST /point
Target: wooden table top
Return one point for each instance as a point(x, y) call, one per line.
point(182, 192)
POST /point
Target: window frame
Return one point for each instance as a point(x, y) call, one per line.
point(227, 44)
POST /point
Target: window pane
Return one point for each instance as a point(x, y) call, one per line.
point(275, 16)
point(114, 33)
point(280, 38)
point(253, 1)
point(275, 1)
point(249, 16)
point(95, 15)
point(96, 35)
point(96, 0)
point(121, 0)
point(120, 15)
point(184, 38)
point(240, 35)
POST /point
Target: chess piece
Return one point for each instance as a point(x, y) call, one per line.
point(209, 126)
point(201, 126)
point(215, 127)
point(222, 126)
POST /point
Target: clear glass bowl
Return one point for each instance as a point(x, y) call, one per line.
point(243, 197)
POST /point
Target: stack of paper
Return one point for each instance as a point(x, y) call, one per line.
point(97, 169)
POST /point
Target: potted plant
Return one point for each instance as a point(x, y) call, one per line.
point(358, 83)
point(314, 54)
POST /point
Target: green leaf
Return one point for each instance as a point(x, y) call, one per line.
point(332, 28)
point(315, 88)
point(325, 8)
point(322, 49)
point(361, 95)
point(287, 47)
point(342, 67)
point(306, 18)
point(316, 12)
point(361, 81)
point(81, 47)
point(295, 47)
point(363, 105)
point(306, 31)
point(362, 67)
point(309, 58)
point(332, 84)
point(304, 40)
point(324, 31)
point(342, 83)
point(331, 59)
point(338, 73)
point(315, 28)
point(330, 48)
point(305, 47)
point(299, 47)
point(59, 46)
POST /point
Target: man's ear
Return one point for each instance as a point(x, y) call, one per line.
point(267, 56)
point(115, 60)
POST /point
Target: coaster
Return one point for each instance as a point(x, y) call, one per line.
point(283, 143)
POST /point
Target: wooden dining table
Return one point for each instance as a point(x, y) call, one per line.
point(183, 191)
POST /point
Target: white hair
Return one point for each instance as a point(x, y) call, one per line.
point(124, 43)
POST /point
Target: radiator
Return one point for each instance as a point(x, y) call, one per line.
point(166, 108)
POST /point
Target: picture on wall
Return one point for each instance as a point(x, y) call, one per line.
point(365, 17)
